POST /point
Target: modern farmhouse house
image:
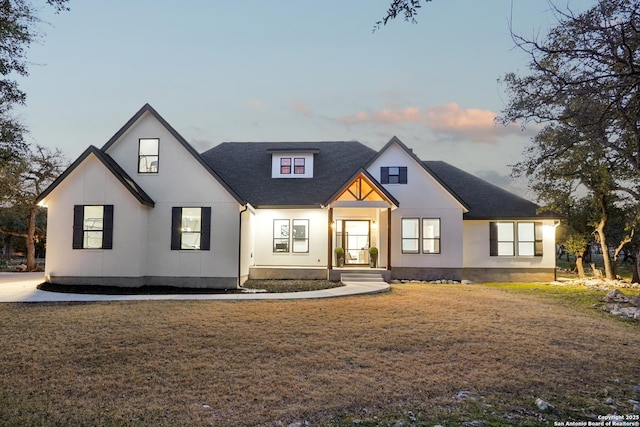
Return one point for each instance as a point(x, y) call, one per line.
point(147, 209)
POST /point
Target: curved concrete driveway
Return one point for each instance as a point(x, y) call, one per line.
point(21, 287)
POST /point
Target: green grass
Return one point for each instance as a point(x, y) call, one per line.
point(569, 296)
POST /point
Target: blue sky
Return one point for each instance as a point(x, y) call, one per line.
point(285, 70)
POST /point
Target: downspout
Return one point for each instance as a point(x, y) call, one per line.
point(240, 244)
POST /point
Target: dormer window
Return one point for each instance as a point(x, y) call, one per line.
point(148, 154)
point(285, 165)
point(292, 163)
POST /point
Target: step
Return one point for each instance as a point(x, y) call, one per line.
point(362, 277)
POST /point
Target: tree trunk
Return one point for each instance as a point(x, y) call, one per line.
point(636, 258)
point(580, 267)
point(608, 270)
point(31, 245)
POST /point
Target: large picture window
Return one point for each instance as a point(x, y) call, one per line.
point(431, 235)
point(410, 235)
point(515, 239)
point(191, 228)
point(93, 227)
point(148, 155)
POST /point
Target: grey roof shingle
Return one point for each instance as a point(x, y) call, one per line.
point(246, 166)
point(485, 200)
point(112, 166)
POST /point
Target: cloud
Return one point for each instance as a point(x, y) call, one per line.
point(449, 121)
point(199, 138)
point(301, 108)
point(256, 104)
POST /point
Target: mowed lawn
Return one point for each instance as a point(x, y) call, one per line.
point(401, 356)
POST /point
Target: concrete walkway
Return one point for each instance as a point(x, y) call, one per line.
point(21, 287)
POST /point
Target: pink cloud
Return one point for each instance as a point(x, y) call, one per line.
point(448, 120)
point(301, 108)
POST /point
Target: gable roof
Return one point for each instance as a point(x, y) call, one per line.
point(383, 192)
point(246, 166)
point(409, 151)
point(112, 166)
point(146, 108)
point(485, 200)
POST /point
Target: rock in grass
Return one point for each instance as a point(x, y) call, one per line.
point(543, 405)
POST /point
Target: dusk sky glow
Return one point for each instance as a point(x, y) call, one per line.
point(286, 70)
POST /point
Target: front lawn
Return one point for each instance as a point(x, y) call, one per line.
point(418, 355)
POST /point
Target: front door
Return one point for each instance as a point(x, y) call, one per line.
point(355, 241)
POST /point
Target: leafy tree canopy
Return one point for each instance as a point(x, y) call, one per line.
point(18, 30)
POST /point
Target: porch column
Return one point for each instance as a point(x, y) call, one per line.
point(388, 238)
point(330, 241)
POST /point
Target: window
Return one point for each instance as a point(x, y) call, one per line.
point(292, 164)
point(280, 235)
point(430, 235)
point(294, 240)
point(285, 165)
point(298, 165)
point(93, 227)
point(393, 175)
point(530, 239)
point(191, 228)
point(148, 155)
point(506, 237)
point(300, 235)
point(410, 235)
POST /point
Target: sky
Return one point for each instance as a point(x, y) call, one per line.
point(287, 70)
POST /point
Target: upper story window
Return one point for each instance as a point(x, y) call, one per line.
point(298, 165)
point(148, 154)
point(393, 175)
point(285, 165)
point(292, 163)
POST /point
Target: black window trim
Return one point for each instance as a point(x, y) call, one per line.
point(78, 227)
point(538, 243)
point(385, 176)
point(438, 239)
point(402, 238)
point(157, 156)
point(205, 228)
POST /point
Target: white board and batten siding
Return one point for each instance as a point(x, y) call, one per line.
point(421, 197)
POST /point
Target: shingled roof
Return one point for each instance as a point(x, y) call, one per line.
point(485, 200)
point(112, 166)
point(246, 166)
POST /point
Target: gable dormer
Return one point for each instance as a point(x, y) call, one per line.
point(292, 163)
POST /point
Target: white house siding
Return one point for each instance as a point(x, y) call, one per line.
point(181, 181)
point(422, 197)
point(247, 243)
point(309, 265)
point(91, 183)
point(479, 266)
